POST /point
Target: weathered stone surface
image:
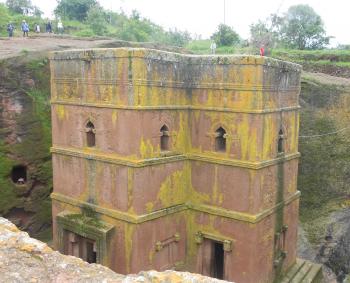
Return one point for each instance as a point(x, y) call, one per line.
point(188, 159)
point(25, 139)
point(24, 259)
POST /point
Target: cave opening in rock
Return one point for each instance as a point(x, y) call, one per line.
point(19, 174)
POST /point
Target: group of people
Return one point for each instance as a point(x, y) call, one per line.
point(25, 28)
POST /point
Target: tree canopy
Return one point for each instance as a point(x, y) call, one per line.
point(74, 9)
point(4, 16)
point(24, 7)
point(261, 35)
point(302, 28)
point(97, 19)
point(19, 6)
point(225, 36)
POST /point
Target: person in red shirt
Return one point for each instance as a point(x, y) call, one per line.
point(262, 51)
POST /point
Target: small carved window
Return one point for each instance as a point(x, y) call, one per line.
point(90, 134)
point(19, 174)
point(220, 140)
point(164, 138)
point(280, 146)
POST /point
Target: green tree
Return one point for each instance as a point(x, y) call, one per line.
point(261, 34)
point(225, 36)
point(36, 12)
point(4, 18)
point(302, 28)
point(20, 6)
point(74, 9)
point(138, 29)
point(97, 20)
point(177, 38)
point(267, 32)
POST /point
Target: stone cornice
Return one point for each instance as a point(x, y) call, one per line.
point(137, 219)
point(171, 57)
point(137, 163)
point(175, 84)
point(173, 107)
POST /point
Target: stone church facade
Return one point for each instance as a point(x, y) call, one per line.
point(170, 161)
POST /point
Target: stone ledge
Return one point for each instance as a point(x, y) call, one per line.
point(113, 158)
point(185, 107)
point(159, 55)
point(208, 209)
point(23, 259)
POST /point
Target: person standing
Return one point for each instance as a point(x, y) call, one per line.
point(10, 29)
point(262, 50)
point(49, 27)
point(25, 28)
point(37, 28)
point(213, 47)
point(60, 27)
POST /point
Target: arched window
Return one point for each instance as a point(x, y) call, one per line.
point(90, 134)
point(220, 139)
point(164, 138)
point(280, 146)
point(19, 174)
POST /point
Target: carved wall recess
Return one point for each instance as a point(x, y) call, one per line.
point(161, 244)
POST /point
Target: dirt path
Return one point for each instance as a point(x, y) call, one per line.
point(18, 45)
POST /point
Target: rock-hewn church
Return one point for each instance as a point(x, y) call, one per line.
point(171, 161)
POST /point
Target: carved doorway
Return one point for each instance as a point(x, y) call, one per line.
point(213, 264)
point(81, 247)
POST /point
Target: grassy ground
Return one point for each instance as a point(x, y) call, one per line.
point(203, 47)
point(332, 61)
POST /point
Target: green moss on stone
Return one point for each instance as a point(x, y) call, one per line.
point(32, 148)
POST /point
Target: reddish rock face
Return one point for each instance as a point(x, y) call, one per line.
point(27, 260)
point(164, 160)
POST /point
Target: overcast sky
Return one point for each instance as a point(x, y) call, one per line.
point(203, 16)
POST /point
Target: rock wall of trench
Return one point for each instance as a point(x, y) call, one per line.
point(25, 139)
point(324, 177)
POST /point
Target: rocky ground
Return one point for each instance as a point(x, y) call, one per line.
point(334, 250)
point(19, 46)
point(23, 259)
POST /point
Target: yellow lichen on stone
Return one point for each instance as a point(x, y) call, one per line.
point(149, 207)
point(172, 191)
point(146, 149)
point(181, 141)
point(114, 117)
point(128, 239)
point(60, 110)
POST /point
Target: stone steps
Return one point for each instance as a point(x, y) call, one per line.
point(304, 271)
